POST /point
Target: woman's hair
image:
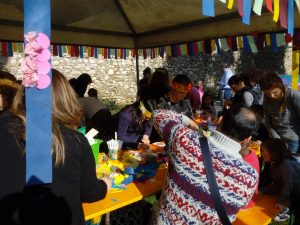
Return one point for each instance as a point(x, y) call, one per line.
point(277, 149)
point(206, 95)
point(271, 80)
point(66, 111)
point(159, 83)
point(8, 88)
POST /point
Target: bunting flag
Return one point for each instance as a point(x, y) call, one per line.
point(273, 42)
point(280, 39)
point(246, 44)
point(96, 53)
point(178, 50)
point(60, 54)
point(268, 40)
point(252, 44)
point(239, 42)
point(200, 46)
point(15, 47)
point(229, 42)
point(218, 46)
point(213, 46)
point(162, 51)
point(240, 7)
point(183, 49)
point(38, 103)
point(124, 53)
point(295, 69)
point(260, 41)
point(92, 52)
point(283, 15)
point(55, 50)
point(269, 5)
point(69, 47)
point(20, 47)
point(133, 53)
point(105, 53)
point(288, 38)
point(291, 17)
point(246, 12)
point(276, 10)
point(230, 4)
point(76, 51)
point(168, 50)
point(10, 49)
point(88, 51)
point(208, 8)
point(207, 46)
point(81, 53)
point(4, 49)
point(223, 44)
point(257, 7)
point(298, 5)
point(234, 44)
point(195, 48)
point(108, 53)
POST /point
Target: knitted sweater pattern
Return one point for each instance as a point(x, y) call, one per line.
point(186, 197)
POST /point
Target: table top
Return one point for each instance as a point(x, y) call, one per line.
point(134, 192)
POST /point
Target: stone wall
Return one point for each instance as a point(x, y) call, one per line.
point(115, 79)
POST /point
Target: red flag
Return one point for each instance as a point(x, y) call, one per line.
point(229, 42)
point(92, 52)
point(121, 53)
point(72, 51)
point(178, 50)
point(196, 50)
point(269, 5)
point(4, 49)
point(288, 38)
point(133, 53)
point(76, 51)
point(105, 53)
point(55, 50)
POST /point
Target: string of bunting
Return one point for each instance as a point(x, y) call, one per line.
point(281, 10)
point(249, 43)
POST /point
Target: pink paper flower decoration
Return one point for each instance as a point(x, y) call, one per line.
point(36, 65)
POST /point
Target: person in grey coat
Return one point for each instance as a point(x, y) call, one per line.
point(282, 110)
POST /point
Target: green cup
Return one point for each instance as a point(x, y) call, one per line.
point(95, 149)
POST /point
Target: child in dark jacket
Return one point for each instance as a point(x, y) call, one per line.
point(285, 172)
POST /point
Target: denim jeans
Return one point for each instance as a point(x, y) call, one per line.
point(293, 146)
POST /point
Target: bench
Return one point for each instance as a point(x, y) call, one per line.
point(261, 214)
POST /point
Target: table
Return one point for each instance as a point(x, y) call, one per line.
point(134, 192)
point(261, 214)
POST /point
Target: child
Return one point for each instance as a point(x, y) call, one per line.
point(285, 172)
point(208, 106)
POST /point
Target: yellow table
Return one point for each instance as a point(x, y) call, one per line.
point(134, 192)
point(260, 214)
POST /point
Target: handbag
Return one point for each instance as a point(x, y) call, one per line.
point(212, 183)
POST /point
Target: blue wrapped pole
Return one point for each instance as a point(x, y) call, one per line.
point(37, 18)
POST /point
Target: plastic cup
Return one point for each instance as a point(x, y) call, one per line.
point(114, 149)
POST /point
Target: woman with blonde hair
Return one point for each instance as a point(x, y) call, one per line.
point(74, 170)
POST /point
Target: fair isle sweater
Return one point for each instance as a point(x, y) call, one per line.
point(186, 197)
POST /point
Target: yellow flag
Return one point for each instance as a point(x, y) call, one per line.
point(15, 47)
point(239, 41)
point(69, 49)
point(276, 10)
point(213, 46)
point(295, 70)
point(268, 39)
point(168, 51)
point(230, 4)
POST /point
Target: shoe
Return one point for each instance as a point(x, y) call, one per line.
point(284, 215)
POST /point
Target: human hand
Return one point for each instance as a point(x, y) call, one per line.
point(145, 139)
point(143, 146)
point(107, 181)
point(279, 206)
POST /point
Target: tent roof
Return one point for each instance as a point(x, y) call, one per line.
point(134, 23)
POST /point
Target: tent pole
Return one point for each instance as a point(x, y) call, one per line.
point(137, 66)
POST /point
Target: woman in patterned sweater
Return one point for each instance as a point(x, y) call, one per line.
point(186, 198)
